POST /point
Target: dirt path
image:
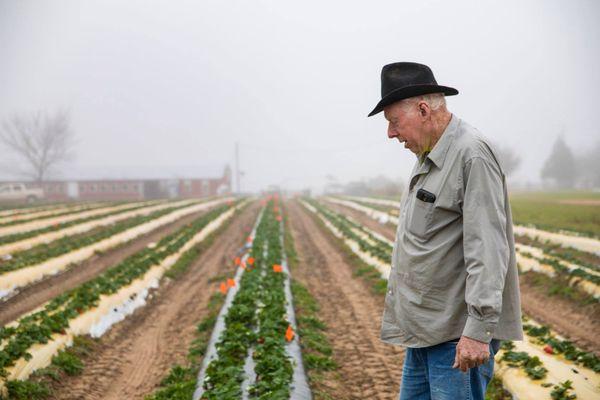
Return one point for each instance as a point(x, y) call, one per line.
point(136, 354)
point(37, 294)
point(369, 368)
point(579, 324)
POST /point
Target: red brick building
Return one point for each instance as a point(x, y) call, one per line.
point(134, 189)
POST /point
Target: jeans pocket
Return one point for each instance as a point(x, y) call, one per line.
point(487, 369)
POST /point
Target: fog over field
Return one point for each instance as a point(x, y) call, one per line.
point(166, 88)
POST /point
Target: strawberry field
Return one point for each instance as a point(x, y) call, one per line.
point(255, 298)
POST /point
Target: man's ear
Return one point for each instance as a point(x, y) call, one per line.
point(423, 109)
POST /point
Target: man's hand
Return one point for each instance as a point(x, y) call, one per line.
point(470, 353)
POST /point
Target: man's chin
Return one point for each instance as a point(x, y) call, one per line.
point(411, 150)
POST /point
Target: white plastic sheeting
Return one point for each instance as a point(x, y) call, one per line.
point(211, 348)
point(380, 216)
point(48, 212)
point(83, 227)
point(46, 222)
point(119, 313)
point(586, 383)
point(534, 264)
point(300, 390)
point(29, 210)
point(383, 267)
point(111, 309)
point(13, 280)
point(581, 243)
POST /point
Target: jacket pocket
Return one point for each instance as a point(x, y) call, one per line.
point(420, 217)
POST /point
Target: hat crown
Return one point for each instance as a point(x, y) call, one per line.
point(403, 74)
point(403, 80)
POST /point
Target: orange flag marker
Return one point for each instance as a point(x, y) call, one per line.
point(250, 260)
point(223, 288)
point(289, 334)
point(249, 240)
point(230, 282)
point(277, 268)
point(237, 261)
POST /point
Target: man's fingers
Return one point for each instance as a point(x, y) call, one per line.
point(456, 358)
point(463, 363)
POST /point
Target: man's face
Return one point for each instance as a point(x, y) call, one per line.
point(406, 125)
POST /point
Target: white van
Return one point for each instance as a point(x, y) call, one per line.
point(19, 193)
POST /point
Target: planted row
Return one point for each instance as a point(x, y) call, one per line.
point(39, 327)
point(255, 323)
point(367, 242)
point(67, 244)
point(550, 345)
point(58, 214)
point(15, 237)
point(562, 269)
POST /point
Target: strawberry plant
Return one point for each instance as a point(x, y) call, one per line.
point(43, 252)
point(366, 241)
point(57, 215)
point(15, 237)
point(255, 324)
point(54, 318)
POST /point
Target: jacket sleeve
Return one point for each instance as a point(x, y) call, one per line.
point(485, 246)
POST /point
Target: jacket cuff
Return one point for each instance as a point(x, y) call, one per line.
point(479, 330)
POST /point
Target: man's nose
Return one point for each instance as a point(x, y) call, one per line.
point(391, 132)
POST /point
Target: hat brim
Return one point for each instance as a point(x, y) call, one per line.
point(411, 91)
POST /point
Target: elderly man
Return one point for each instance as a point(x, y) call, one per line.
point(453, 292)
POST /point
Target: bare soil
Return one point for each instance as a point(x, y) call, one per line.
point(32, 296)
point(368, 368)
point(136, 354)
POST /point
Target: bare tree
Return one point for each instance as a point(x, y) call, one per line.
point(41, 140)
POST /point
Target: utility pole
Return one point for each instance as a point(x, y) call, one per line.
point(237, 168)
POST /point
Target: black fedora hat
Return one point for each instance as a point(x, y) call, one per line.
point(402, 80)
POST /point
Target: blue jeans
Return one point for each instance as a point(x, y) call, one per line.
point(428, 374)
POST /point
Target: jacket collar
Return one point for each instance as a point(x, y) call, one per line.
point(438, 154)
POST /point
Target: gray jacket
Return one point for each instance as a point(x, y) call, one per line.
point(454, 267)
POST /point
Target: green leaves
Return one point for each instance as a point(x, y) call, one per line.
point(532, 365)
point(43, 252)
point(564, 347)
point(256, 319)
point(562, 391)
point(54, 318)
point(373, 246)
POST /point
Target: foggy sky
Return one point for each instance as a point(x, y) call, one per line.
point(165, 88)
